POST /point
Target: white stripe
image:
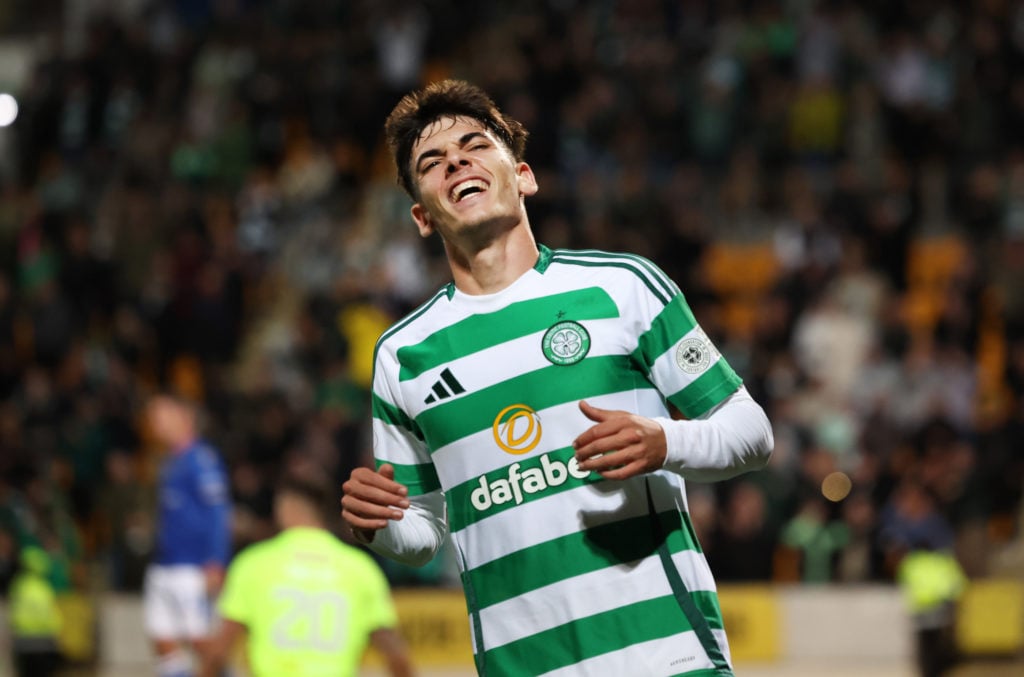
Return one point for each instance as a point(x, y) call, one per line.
point(667, 373)
point(550, 517)
point(588, 594)
point(395, 444)
point(477, 454)
point(646, 268)
point(657, 658)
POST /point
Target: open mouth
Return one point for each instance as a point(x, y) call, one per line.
point(466, 188)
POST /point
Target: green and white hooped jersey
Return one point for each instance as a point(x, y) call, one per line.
point(565, 573)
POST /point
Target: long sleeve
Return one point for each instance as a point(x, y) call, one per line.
point(733, 438)
point(416, 538)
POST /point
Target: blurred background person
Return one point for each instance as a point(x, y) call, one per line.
point(193, 537)
point(305, 603)
point(35, 617)
point(932, 582)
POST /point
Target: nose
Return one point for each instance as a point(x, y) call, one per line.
point(456, 161)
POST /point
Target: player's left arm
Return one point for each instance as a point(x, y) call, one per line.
point(726, 432)
point(215, 501)
point(733, 438)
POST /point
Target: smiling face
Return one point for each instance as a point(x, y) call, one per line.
point(469, 187)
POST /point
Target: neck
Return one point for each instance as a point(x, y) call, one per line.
point(495, 265)
point(291, 516)
point(182, 444)
point(303, 523)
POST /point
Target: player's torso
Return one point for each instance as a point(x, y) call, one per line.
point(307, 606)
point(184, 522)
point(494, 386)
point(550, 553)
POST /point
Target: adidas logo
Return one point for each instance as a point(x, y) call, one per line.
point(442, 393)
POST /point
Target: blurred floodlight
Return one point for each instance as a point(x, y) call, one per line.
point(836, 486)
point(8, 109)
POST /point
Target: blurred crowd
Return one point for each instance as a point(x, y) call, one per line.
point(195, 197)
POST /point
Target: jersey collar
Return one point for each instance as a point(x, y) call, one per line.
point(543, 261)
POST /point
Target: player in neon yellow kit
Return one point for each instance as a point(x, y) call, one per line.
point(309, 603)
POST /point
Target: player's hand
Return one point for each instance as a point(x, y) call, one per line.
point(371, 499)
point(620, 445)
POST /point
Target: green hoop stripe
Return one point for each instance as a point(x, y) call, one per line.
point(710, 388)
point(392, 415)
point(672, 323)
point(473, 412)
point(420, 478)
point(696, 618)
point(401, 324)
point(575, 554)
point(481, 331)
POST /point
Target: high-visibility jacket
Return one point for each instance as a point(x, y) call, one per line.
point(932, 582)
point(33, 606)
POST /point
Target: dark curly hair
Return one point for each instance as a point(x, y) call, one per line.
point(447, 98)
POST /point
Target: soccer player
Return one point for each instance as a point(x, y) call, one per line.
point(193, 537)
point(527, 409)
point(309, 603)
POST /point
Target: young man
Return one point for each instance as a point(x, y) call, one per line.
point(309, 603)
point(193, 537)
point(526, 408)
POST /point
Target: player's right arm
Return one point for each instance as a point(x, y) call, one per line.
point(409, 529)
point(398, 509)
point(371, 498)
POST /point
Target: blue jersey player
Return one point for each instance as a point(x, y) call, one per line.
point(193, 537)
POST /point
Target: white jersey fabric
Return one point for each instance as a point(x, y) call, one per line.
point(475, 404)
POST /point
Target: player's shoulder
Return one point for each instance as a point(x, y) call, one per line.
point(420, 321)
point(252, 555)
point(353, 559)
point(619, 268)
point(204, 455)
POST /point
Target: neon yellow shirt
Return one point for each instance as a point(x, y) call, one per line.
point(930, 579)
point(34, 610)
point(309, 603)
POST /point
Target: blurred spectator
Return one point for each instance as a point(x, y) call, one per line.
point(815, 538)
point(932, 583)
point(744, 546)
point(35, 617)
point(127, 530)
point(910, 520)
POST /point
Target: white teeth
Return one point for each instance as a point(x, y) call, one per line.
point(465, 188)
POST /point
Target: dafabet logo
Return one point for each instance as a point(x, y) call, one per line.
point(516, 429)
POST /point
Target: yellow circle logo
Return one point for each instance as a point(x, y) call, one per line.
point(517, 429)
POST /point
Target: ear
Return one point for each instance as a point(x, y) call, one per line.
point(525, 179)
point(422, 218)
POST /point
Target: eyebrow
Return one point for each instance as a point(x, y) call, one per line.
point(436, 152)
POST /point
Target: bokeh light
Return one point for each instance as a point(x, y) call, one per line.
point(836, 486)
